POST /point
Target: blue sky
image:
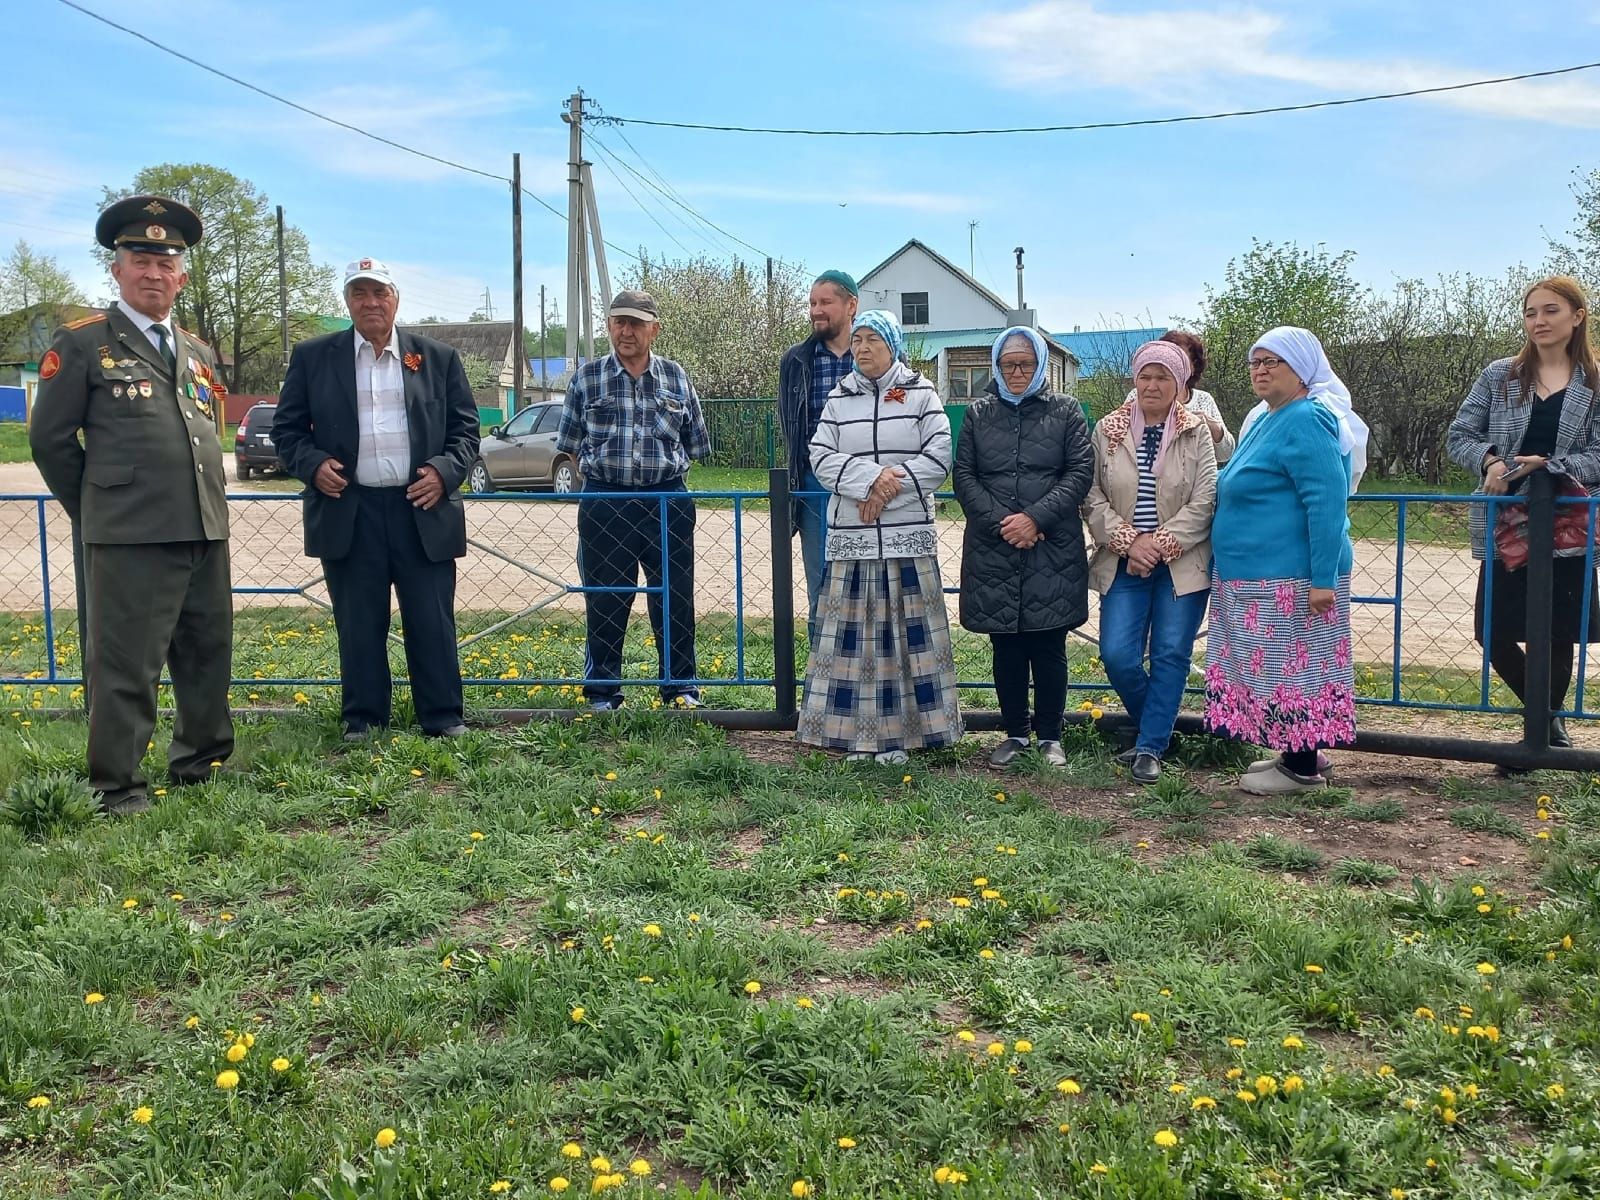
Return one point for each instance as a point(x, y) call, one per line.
point(1118, 226)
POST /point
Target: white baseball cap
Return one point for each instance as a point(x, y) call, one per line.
point(368, 268)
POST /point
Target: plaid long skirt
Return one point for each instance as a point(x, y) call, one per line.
point(881, 675)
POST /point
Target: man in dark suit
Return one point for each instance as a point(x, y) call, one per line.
point(381, 426)
point(145, 491)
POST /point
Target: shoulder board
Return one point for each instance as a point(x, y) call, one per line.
point(82, 321)
point(195, 338)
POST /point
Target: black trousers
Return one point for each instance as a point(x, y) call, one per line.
point(387, 552)
point(1043, 654)
point(160, 602)
point(618, 534)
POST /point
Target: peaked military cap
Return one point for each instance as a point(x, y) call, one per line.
point(148, 224)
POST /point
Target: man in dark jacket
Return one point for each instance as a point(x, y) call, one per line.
point(381, 427)
point(807, 373)
point(1024, 464)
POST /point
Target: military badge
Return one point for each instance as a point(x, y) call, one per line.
point(108, 362)
point(205, 409)
point(145, 389)
point(155, 208)
point(49, 364)
point(116, 391)
point(156, 233)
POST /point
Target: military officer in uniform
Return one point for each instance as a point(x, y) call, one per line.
point(145, 489)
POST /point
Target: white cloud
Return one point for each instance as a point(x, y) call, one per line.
point(1180, 55)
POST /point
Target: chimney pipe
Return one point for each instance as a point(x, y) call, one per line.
point(1018, 253)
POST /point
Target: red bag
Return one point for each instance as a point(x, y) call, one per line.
point(1572, 525)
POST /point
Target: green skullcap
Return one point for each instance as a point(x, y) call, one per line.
point(840, 278)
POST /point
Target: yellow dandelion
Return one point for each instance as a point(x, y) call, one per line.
point(1486, 968)
point(93, 998)
point(1554, 1092)
point(1266, 1085)
point(799, 1189)
point(1177, 1089)
point(1238, 1043)
point(986, 953)
point(1166, 1139)
point(966, 1035)
point(1423, 1011)
point(804, 1002)
point(639, 1168)
point(177, 897)
point(476, 836)
point(1292, 1084)
point(1064, 1127)
point(192, 1023)
point(1485, 909)
point(1142, 1018)
point(1245, 1096)
point(1397, 1193)
point(559, 1184)
point(1069, 1087)
point(572, 1150)
point(924, 924)
point(600, 1164)
point(1313, 969)
point(1448, 1116)
point(941, 1175)
point(1099, 1168)
point(1201, 1103)
point(236, 1052)
point(500, 1187)
point(142, 1115)
point(1023, 1046)
point(1543, 835)
point(652, 930)
point(130, 902)
point(611, 776)
point(228, 1080)
point(578, 1013)
point(1293, 1043)
point(1385, 1071)
point(39, 1103)
point(752, 988)
point(1234, 1073)
point(995, 1049)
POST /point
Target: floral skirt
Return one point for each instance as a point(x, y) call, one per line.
point(1276, 675)
point(881, 675)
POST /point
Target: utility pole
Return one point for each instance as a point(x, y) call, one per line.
point(575, 253)
point(591, 208)
point(972, 248)
point(518, 345)
point(283, 293)
point(488, 305)
point(772, 316)
point(544, 352)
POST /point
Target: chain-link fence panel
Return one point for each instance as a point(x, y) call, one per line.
point(744, 433)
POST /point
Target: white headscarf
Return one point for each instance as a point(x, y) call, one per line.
point(1309, 361)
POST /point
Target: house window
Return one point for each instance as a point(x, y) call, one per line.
point(967, 383)
point(913, 308)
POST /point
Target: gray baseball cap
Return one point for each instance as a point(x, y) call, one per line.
point(639, 305)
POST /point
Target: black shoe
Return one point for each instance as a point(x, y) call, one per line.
point(1511, 772)
point(128, 806)
point(1127, 756)
point(216, 773)
point(1146, 768)
point(357, 733)
point(1558, 733)
point(449, 731)
point(601, 704)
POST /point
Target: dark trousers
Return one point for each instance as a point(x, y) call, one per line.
point(387, 552)
point(618, 535)
point(160, 602)
point(1043, 654)
point(1510, 662)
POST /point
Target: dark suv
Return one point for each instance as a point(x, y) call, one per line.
point(252, 447)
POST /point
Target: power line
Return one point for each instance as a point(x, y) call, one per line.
point(1090, 125)
point(639, 204)
point(717, 244)
point(311, 112)
point(686, 208)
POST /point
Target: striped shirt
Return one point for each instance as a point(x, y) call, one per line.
point(1145, 516)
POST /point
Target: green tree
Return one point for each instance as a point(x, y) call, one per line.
point(231, 299)
point(1274, 285)
point(28, 278)
point(722, 323)
point(481, 373)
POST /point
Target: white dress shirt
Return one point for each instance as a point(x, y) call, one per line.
point(383, 456)
point(147, 326)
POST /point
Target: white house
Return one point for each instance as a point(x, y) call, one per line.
point(952, 320)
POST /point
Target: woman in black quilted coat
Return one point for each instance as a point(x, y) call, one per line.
point(1024, 464)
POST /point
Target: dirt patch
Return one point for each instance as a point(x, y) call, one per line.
point(1422, 841)
point(743, 846)
point(824, 987)
point(506, 924)
point(846, 936)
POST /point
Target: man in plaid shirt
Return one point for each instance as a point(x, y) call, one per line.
point(634, 424)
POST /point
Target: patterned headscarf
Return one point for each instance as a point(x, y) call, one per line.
point(885, 326)
point(1180, 367)
point(1041, 357)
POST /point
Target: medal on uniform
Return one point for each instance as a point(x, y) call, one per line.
point(116, 391)
point(145, 389)
point(108, 362)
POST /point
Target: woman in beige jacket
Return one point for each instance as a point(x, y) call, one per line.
point(1149, 512)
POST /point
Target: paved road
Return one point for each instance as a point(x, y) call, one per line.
point(522, 556)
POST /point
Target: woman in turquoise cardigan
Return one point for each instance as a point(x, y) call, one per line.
point(1279, 671)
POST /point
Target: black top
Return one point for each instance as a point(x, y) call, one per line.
point(1544, 425)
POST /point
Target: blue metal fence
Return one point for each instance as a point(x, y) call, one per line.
point(1412, 596)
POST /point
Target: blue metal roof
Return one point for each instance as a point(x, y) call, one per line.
point(1107, 349)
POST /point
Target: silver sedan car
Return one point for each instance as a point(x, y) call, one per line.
point(522, 454)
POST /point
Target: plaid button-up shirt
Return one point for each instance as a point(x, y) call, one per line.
point(632, 432)
point(827, 369)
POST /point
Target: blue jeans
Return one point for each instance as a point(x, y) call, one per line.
point(1140, 611)
point(811, 517)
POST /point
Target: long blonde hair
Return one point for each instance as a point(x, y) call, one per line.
point(1580, 347)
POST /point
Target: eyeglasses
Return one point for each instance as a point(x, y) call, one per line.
point(1265, 364)
point(1015, 367)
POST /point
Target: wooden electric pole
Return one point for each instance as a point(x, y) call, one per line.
point(519, 346)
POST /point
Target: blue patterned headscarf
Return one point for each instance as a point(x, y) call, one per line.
point(885, 326)
point(1041, 356)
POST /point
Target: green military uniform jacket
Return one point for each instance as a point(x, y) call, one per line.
point(149, 467)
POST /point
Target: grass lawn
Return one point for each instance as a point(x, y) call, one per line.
point(759, 974)
point(14, 442)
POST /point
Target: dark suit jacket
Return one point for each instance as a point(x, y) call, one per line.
point(316, 420)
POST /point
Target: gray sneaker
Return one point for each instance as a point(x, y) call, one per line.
point(891, 758)
point(1006, 752)
point(1324, 765)
point(1053, 754)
